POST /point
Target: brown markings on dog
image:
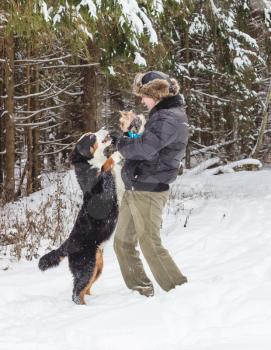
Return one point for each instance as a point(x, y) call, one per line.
point(108, 164)
point(96, 273)
point(99, 263)
point(98, 268)
point(86, 290)
point(94, 148)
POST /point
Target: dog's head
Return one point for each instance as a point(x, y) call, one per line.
point(87, 145)
point(93, 144)
point(97, 147)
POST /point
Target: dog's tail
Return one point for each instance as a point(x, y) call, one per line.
point(53, 258)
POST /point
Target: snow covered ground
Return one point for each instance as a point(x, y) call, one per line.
point(219, 234)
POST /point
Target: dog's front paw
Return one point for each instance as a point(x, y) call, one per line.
point(108, 165)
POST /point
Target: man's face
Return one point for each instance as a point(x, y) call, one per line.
point(148, 102)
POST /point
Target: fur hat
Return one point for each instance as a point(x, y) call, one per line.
point(155, 84)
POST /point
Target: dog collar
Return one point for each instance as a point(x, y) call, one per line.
point(133, 135)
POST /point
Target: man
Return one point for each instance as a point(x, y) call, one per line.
point(151, 164)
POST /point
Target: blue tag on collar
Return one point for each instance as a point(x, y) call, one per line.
point(133, 135)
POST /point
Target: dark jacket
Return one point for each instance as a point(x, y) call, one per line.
point(152, 161)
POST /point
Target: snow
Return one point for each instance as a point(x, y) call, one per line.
point(242, 62)
point(56, 19)
point(86, 31)
point(181, 69)
point(250, 41)
point(45, 11)
point(224, 250)
point(139, 60)
point(91, 7)
point(197, 65)
point(137, 18)
point(237, 164)
point(199, 25)
point(111, 70)
point(158, 6)
point(214, 8)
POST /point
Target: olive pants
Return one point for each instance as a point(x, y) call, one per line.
point(139, 221)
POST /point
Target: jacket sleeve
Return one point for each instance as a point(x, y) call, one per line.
point(152, 140)
point(87, 175)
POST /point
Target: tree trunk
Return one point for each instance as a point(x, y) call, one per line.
point(36, 168)
point(91, 98)
point(212, 113)
point(28, 130)
point(9, 186)
point(2, 109)
point(260, 139)
point(187, 93)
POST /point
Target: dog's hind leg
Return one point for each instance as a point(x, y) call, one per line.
point(98, 268)
point(86, 290)
point(83, 268)
point(99, 263)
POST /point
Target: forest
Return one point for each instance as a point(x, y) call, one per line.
point(67, 68)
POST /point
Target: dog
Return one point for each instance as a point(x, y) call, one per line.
point(97, 217)
point(131, 122)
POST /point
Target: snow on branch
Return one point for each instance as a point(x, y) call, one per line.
point(39, 111)
point(71, 65)
point(229, 168)
point(211, 96)
point(39, 61)
point(34, 124)
point(213, 147)
point(57, 151)
point(53, 126)
point(32, 95)
point(56, 142)
point(3, 113)
point(56, 93)
point(203, 166)
point(137, 18)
